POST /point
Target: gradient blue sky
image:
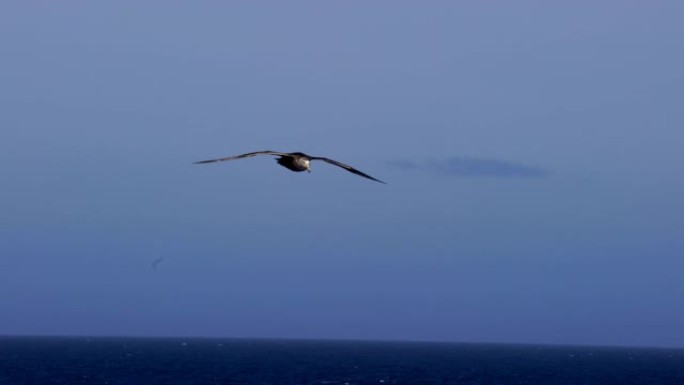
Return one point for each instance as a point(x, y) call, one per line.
point(533, 150)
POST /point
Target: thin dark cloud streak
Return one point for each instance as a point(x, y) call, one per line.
point(468, 167)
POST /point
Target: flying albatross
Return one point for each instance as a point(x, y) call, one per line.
point(295, 161)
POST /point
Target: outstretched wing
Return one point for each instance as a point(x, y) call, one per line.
point(346, 167)
point(247, 155)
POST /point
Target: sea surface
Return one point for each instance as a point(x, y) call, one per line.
point(168, 361)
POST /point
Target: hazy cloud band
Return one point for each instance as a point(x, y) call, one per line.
point(468, 167)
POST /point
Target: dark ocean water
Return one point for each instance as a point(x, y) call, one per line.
point(80, 360)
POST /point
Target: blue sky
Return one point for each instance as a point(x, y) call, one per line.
point(533, 152)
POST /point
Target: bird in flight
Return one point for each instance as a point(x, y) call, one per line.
point(156, 263)
point(295, 161)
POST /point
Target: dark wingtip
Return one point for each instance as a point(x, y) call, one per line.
point(373, 179)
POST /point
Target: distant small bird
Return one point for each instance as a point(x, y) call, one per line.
point(156, 263)
point(295, 161)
